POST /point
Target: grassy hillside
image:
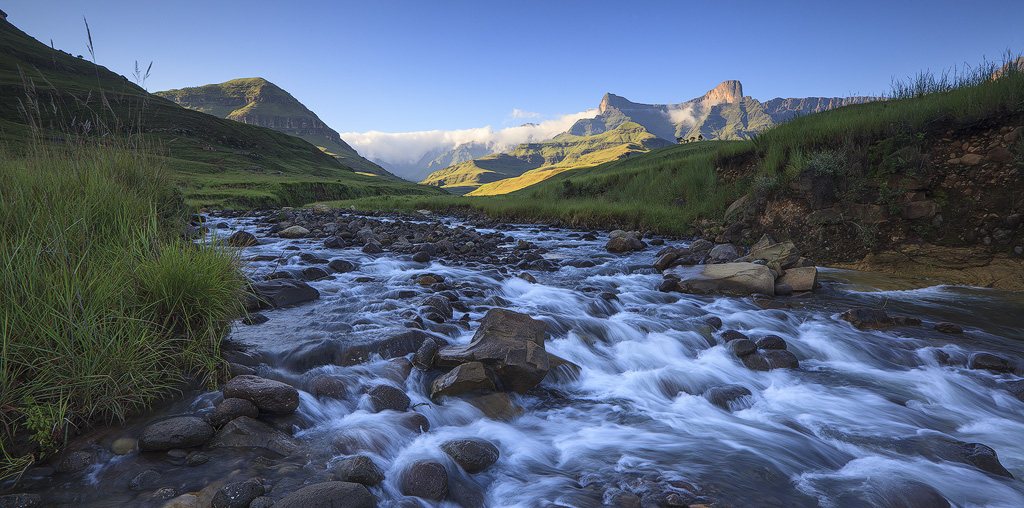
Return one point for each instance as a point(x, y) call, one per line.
point(53, 96)
point(532, 162)
point(257, 101)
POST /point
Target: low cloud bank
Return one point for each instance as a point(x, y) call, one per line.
point(409, 147)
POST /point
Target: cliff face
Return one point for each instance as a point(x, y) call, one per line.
point(256, 101)
point(721, 113)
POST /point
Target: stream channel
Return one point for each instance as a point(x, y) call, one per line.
point(869, 418)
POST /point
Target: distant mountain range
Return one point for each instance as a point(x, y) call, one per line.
point(256, 101)
point(722, 113)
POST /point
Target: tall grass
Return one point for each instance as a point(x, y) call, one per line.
point(103, 307)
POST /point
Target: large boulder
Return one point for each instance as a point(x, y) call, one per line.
point(799, 279)
point(178, 432)
point(268, 395)
point(284, 292)
point(242, 239)
point(728, 278)
point(329, 495)
point(510, 344)
point(474, 455)
point(244, 432)
point(384, 397)
point(359, 469)
point(426, 479)
point(783, 253)
point(294, 232)
point(468, 377)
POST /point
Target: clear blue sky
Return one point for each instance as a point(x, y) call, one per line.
point(398, 66)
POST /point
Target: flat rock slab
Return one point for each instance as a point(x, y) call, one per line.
point(728, 279)
point(800, 279)
point(244, 432)
point(284, 292)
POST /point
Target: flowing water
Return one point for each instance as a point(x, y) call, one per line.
point(866, 414)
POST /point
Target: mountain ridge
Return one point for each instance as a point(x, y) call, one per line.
point(257, 101)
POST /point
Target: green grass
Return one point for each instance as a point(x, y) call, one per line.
point(105, 309)
point(668, 189)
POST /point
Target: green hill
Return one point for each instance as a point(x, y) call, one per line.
point(50, 95)
point(256, 101)
point(532, 162)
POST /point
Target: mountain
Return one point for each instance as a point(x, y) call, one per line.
point(721, 113)
point(532, 162)
point(440, 158)
point(256, 101)
point(50, 96)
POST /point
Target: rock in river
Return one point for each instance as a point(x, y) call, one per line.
point(728, 278)
point(329, 495)
point(510, 344)
point(178, 432)
point(284, 292)
point(474, 455)
point(268, 395)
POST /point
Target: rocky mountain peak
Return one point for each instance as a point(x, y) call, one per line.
point(611, 100)
point(726, 91)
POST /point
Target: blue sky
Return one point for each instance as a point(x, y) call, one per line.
point(398, 66)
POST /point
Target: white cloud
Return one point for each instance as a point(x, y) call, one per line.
point(409, 147)
point(518, 113)
point(689, 113)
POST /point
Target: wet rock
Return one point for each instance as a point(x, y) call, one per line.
point(268, 395)
point(426, 355)
point(947, 327)
point(177, 432)
point(334, 242)
point(359, 469)
point(783, 253)
point(771, 359)
point(729, 278)
point(799, 279)
point(397, 370)
point(731, 335)
point(769, 303)
point(618, 245)
point(254, 319)
point(284, 292)
point(196, 459)
point(244, 432)
point(983, 458)
point(328, 387)
point(384, 397)
point(294, 232)
point(314, 273)
point(496, 406)
point(743, 347)
point(144, 480)
point(262, 502)
point(20, 501)
point(908, 495)
point(771, 342)
point(783, 289)
point(329, 495)
point(618, 498)
point(232, 408)
point(123, 446)
point(723, 396)
point(341, 266)
point(468, 377)
point(669, 285)
point(425, 479)
point(372, 248)
point(437, 305)
point(561, 370)
point(989, 361)
point(579, 263)
point(527, 277)
point(1016, 388)
point(237, 495)
point(474, 455)
point(723, 253)
point(867, 318)
point(74, 461)
point(242, 239)
point(345, 353)
point(421, 257)
point(415, 422)
point(510, 344)
point(713, 321)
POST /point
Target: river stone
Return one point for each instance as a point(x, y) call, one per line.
point(665, 260)
point(799, 279)
point(414, 421)
point(426, 479)
point(74, 461)
point(314, 273)
point(284, 292)
point(123, 446)
point(771, 359)
point(245, 432)
point(510, 344)
point(439, 305)
point(177, 432)
point(268, 395)
point(561, 370)
point(383, 397)
point(908, 494)
point(232, 408)
point(866, 318)
point(262, 502)
point(988, 361)
point(783, 253)
point(474, 455)
point(238, 495)
point(983, 458)
point(947, 327)
point(329, 495)
point(618, 245)
point(294, 232)
point(721, 396)
point(348, 352)
point(728, 278)
point(20, 501)
point(328, 387)
point(372, 247)
point(713, 321)
point(359, 469)
point(771, 342)
point(341, 266)
point(242, 239)
point(731, 335)
point(421, 257)
point(425, 355)
point(496, 406)
point(723, 253)
point(468, 377)
point(742, 347)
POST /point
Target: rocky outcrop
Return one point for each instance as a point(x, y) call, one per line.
point(508, 343)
